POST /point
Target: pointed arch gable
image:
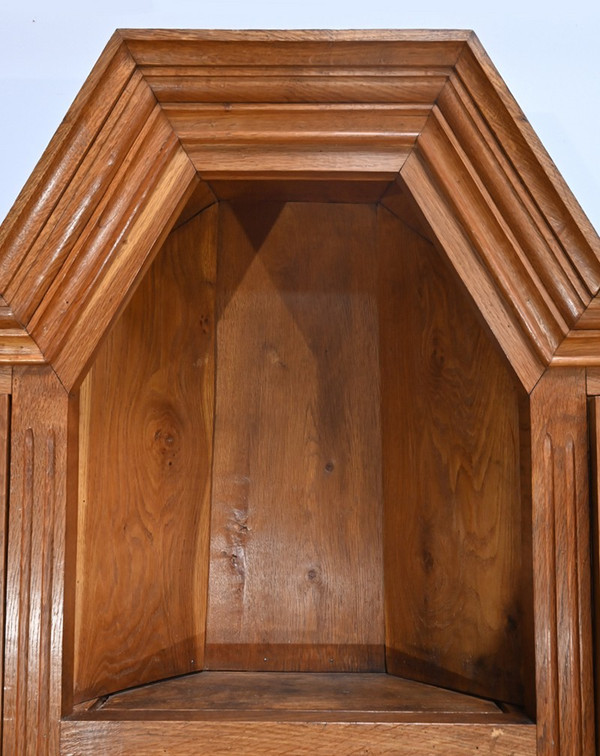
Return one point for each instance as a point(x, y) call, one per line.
point(163, 110)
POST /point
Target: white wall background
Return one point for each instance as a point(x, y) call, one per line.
point(547, 51)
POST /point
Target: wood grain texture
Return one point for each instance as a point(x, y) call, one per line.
point(525, 227)
point(455, 553)
point(592, 380)
point(296, 574)
point(492, 237)
point(297, 83)
point(88, 186)
point(275, 694)
point(561, 553)
point(81, 738)
point(301, 190)
point(6, 380)
point(296, 137)
point(451, 237)
point(127, 239)
point(4, 480)
point(16, 344)
point(61, 159)
point(578, 348)
point(594, 421)
point(590, 318)
point(537, 170)
point(168, 47)
point(146, 428)
point(35, 567)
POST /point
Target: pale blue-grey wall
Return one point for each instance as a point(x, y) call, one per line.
point(548, 53)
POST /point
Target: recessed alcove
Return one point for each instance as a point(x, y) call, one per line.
point(303, 488)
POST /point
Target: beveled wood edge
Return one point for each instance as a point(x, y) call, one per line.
point(17, 345)
point(296, 35)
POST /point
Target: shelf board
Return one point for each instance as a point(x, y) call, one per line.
point(285, 696)
point(217, 713)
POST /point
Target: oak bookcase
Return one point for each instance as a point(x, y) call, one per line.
point(299, 382)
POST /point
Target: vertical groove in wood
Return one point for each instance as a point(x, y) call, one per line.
point(4, 472)
point(35, 564)
point(562, 592)
point(594, 418)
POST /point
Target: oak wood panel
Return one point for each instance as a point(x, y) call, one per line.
point(578, 348)
point(81, 197)
point(296, 574)
point(523, 220)
point(270, 695)
point(590, 318)
point(455, 551)
point(594, 421)
point(16, 344)
point(561, 553)
point(160, 47)
point(212, 124)
point(301, 190)
point(491, 236)
point(202, 197)
point(63, 155)
point(537, 171)
point(6, 379)
point(373, 84)
point(146, 431)
point(296, 137)
point(103, 274)
point(451, 237)
point(81, 738)
point(33, 668)
point(150, 153)
point(4, 479)
point(592, 380)
point(305, 162)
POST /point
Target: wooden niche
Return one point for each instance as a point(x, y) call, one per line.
point(296, 338)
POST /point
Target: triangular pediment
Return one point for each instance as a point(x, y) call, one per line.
point(167, 115)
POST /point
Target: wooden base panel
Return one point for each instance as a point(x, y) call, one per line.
point(315, 738)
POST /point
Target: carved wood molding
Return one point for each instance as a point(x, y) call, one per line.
point(561, 554)
point(35, 564)
point(163, 107)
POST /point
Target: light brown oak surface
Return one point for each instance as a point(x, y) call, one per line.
point(455, 534)
point(296, 562)
point(162, 114)
point(146, 427)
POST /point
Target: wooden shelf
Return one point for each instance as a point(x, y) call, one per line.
point(285, 696)
point(302, 713)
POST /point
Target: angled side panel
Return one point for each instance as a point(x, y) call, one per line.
point(36, 564)
point(146, 430)
point(561, 558)
point(495, 306)
point(456, 534)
